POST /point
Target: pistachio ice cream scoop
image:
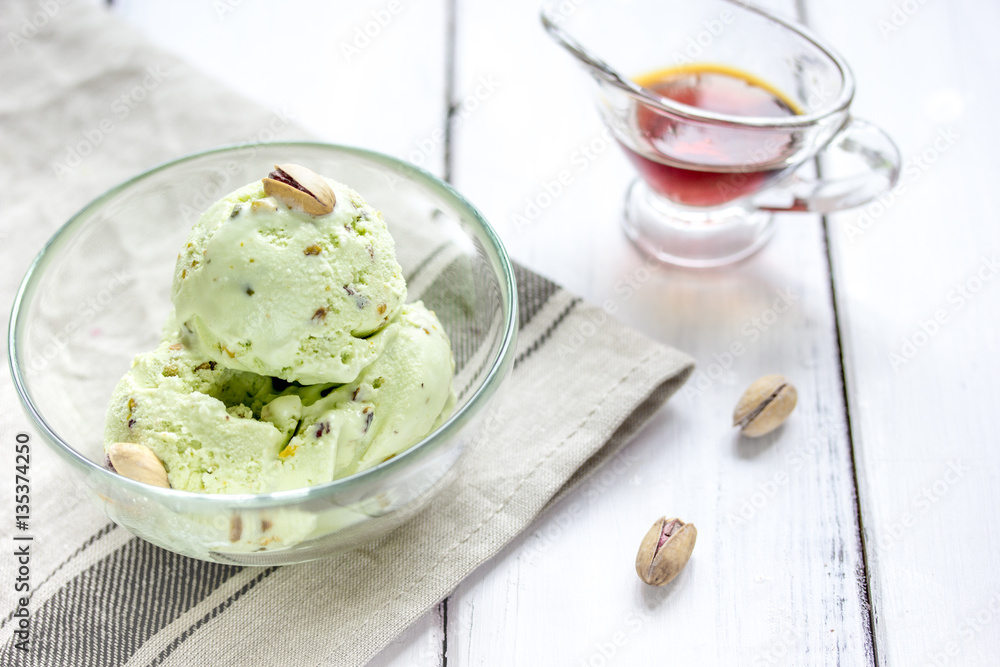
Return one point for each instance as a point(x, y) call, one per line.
point(291, 359)
point(264, 286)
point(216, 430)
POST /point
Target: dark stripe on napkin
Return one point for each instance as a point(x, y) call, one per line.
point(548, 332)
point(165, 653)
point(127, 597)
point(533, 292)
point(79, 550)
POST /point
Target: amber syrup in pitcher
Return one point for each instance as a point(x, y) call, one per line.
point(700, 165)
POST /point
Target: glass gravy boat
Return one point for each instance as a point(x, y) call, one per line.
point(721, 107)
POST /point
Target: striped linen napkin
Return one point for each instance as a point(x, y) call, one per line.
point(97, 595)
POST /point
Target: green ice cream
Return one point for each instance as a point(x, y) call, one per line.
point(219, 430)
point(272, 290)
point(291, 360)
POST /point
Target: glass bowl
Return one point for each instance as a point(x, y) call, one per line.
point(99, 293)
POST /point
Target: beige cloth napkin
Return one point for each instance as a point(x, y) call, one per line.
point(582, 385)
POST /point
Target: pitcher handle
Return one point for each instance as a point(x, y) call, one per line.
point(862, 140)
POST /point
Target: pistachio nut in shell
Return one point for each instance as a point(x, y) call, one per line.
point(765, 405)
point(665, 551)
point(138, 462)
point(300, 188)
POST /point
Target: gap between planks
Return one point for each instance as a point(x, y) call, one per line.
point(449, 112)
point(865, 582)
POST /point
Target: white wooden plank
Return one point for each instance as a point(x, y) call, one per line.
point(775, 576)
point(421, 644)
point(369, 74)
point(923, 420)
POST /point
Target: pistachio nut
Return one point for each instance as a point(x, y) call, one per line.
point(262, 205)
point(137, 462)
point(235, 527)
point(300, 188)
point(765, 405)
point(665, 551)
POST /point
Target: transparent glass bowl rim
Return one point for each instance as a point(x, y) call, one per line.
point(668, 106)
point(201, 502)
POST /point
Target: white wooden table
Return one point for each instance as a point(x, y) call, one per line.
point(867, 531)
